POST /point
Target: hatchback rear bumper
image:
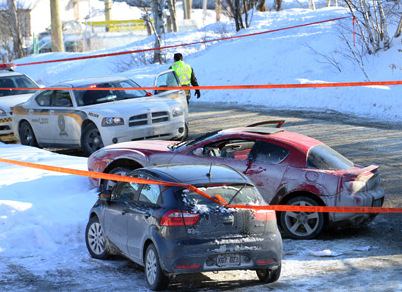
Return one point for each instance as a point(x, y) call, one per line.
point(181, 257)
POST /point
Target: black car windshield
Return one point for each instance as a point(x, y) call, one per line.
point(90, 97)
point(226, 194)
point(18, 81)
point(195, 140)
point(324, 157)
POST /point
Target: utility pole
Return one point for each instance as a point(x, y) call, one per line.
point(57, 30)
point(218, 10)
point(108, 8)
point(76, 9)
point(187, 5)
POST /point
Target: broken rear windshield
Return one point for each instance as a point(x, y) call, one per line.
point(227, 194)
point(324, 157)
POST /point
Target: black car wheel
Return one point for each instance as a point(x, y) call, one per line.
point(269, 275)
point(302, 225)
point(185, 135)
point(27, 135)
point(154, 275)
point(91, 139)
point(108, 185)
point(95, 240)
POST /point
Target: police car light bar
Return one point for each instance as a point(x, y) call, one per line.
point(9, 67)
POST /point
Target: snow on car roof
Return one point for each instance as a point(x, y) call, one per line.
point(5, 73)
point(94, 80)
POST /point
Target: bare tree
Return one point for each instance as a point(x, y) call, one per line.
point(261, 6)
point(159, 27)
point(15, 29)
point(241, 11)
point(399, 28)
point(218, 10)
point(172, 11)
point(371, 23)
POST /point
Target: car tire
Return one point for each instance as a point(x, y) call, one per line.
point(108, 185)
point(91, 139)
point(302, 225)
point(155, 277)
point(185, 134)
point(27, 135)
point(96, 242)
point(268, 275)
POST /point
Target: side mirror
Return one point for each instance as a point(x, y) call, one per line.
point(198, 151)
point(105, 196)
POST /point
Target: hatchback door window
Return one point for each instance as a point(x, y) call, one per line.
point(126, 192)
point(150, 194)
point(268, 153)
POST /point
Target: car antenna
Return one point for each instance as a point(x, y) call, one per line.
point(209, 172)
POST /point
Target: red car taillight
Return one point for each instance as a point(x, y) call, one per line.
point(265, 215)
point(179, 218)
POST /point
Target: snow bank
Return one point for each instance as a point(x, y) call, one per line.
point(42, 214)
point(293, 56)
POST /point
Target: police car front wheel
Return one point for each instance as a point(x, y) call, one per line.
point(27, 135)
point(91, 139)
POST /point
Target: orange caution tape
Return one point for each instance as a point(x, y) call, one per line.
point(280, 208)
point(225, 87)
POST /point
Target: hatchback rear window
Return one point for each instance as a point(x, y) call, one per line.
point(324, 157)
point(227, 194)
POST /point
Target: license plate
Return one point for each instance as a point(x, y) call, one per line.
point(377, 203)
point(228, 260)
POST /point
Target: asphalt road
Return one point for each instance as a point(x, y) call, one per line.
point(362, 259)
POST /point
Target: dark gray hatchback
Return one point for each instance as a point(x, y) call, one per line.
point(170, 230)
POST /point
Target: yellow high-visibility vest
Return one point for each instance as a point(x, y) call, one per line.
point(183, 72)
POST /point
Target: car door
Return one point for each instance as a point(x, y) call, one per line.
point(140, 218)
point(265, 167)
point(169, 79)
point(63, 121)
point(39, 116)
point(116, 214)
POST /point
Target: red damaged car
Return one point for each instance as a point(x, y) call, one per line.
point(286, 167)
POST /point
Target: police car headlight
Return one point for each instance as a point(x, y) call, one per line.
point(108, 122)
point(177, 111)
point(2, 112)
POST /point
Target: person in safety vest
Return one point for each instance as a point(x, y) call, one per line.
point(185, 74)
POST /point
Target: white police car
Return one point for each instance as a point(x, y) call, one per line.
point(10, 98)
point(91, 119)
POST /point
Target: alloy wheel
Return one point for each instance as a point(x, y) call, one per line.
point(96, 240)
point(301, 223)
point(151, 266)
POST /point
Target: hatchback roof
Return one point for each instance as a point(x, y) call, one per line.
point(199, 174)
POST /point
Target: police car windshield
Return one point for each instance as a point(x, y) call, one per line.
point(18, 81)
point(90, 97)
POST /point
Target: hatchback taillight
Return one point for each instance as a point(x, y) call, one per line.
point(179, 218)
